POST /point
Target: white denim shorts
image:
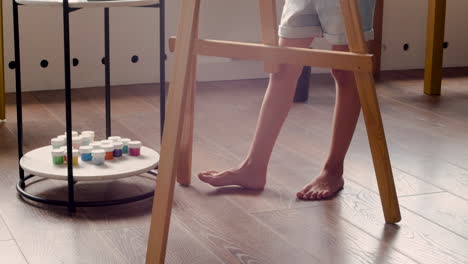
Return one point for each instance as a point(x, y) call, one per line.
point(322, 18)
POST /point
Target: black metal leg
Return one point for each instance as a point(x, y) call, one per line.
point(124, 200)
point(302, 88)
point(71, 203)
point(68, 110)
point(162, 64)
point(107, 72)
point(19, 100)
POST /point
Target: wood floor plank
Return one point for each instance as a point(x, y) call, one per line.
point(286, 176)
point(414, 146)
point(418, 129)
point(50, 235)
point(406, 87)
point(148, 132)
point(444, 175)
point(308, 127)
point(10, 253)
point(37, 133)
point(226, 148)
point(416, 236)
point(182, 246)
point(324, 234)
point(427, 139)
point(147, 92)
point(232, 234)
point(4, 233)
point(123, 100)
point(445, 209)
point(395, 103)
point(436, 258)
point(33, 110)
point(9, 146)
point(136, 214)
point(54, 102)
point(358, 163)
point(291, 158)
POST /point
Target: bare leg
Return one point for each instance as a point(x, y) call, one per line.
point(347, 109)
point(278, 100)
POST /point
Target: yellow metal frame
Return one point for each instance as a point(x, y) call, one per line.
point(2, 76)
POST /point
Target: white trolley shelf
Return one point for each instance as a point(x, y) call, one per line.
point(38, 163)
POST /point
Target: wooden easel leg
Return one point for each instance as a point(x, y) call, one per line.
point(378, 145)
point(269, 28)
point(372, 116)
point(184, 172)
point(170, 153)
point(434, 49)
point(377, 42)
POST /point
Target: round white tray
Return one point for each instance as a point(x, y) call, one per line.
point(39, 162)
point(87, 3)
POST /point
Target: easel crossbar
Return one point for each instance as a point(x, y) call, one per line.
point(281, 55)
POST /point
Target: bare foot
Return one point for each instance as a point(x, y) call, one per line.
point(325, 186)
point(245, 177)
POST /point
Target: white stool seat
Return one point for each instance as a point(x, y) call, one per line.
point(89, 3)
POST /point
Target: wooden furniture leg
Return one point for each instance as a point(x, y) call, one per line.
point(2, 77)
point(184, 172)
point(376, 45)
point(269, 27)
point(372, 116)
point(170, 153)
point(434, 49)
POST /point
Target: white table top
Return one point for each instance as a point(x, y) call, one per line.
point(89, 3)
point(39, 162)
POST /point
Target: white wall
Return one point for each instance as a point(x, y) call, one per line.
point(134, 31)
point(405, 22)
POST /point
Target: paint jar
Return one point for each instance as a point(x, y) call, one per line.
point(85, 152)
point(64, 138)
point(57, 143)
point(125, 142)
point(76, 141)
point(106, 142)
point(114, 138)
point(109, 149)
point(134, 148)
point(98, 156)
point(95, 145)
point(86, 139)
point(118, 149)
point(57, 156)
point(73, 133)
point(76, 154)
point(64, 149)
point(89, 133)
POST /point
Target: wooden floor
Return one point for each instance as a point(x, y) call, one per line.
point(428, 141)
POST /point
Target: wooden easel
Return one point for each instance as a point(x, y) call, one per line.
point(176, 154)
